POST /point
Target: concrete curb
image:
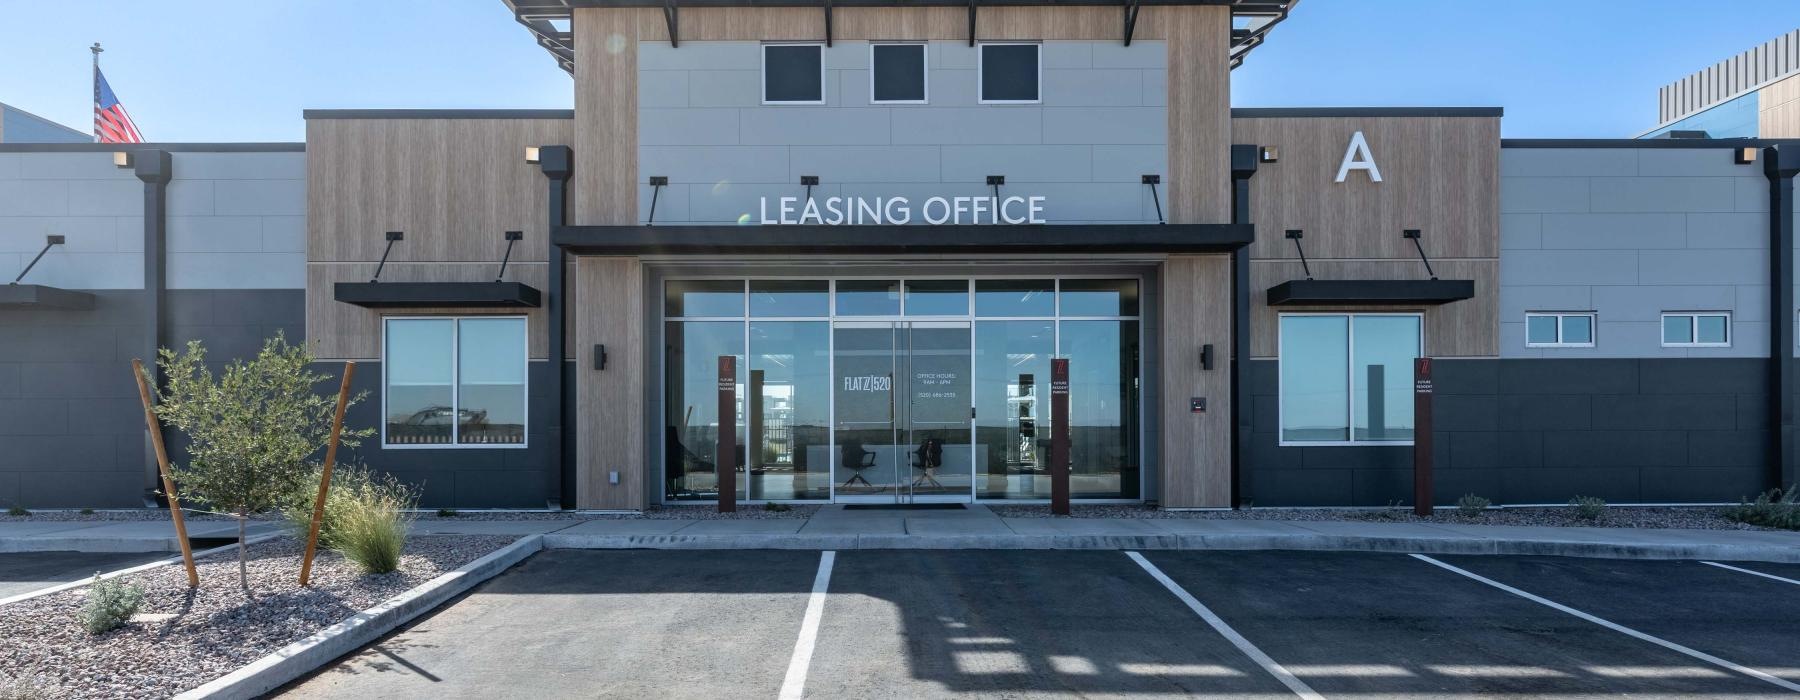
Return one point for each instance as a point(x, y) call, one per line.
point(1309, 542)
point(305, 656)
point(202, 554)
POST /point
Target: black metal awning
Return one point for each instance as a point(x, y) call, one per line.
point(456, 295)
point(37, 296)
point(1372, 292)
point(900, 240)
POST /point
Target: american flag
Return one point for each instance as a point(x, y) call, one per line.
point(111, 123)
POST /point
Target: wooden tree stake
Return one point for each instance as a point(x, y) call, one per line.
point(318, 517)
point(162, 464)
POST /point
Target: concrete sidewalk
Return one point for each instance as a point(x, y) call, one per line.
point(977, 527)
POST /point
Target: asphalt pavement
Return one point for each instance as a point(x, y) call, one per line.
point(24, 572)
point(1023, 623)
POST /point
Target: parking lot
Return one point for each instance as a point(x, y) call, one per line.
point(25, 572)
point(914, 623)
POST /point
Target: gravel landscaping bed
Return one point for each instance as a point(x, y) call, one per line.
point(122, 515)
point(1687, 517)
point(695, 512)
point(211, 631)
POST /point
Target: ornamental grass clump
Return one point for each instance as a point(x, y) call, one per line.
point(366, 518)
point(1471, 505)
point(1772, 508)
point(1588, 507)
point(110, 603)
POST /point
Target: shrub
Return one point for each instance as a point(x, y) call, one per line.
point(777, 507)
point(17, 511)
point(447, 513)
point(366, 519)
point(1588, 507)
point(1772, 508)
point(1472, 505)
point(110, 603)
point(87, 511)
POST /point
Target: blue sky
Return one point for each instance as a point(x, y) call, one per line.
point(191, 72)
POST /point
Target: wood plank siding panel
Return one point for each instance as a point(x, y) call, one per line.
point(1195, 448)
point(609, 406)
point(603, 190)
point(1778, 110)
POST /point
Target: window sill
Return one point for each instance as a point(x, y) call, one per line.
point(1359, 443)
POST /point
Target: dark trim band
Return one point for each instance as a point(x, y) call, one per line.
point(1311, 112)
point(1347, 292)
point(1640, 143)
point(861, 240)
point(455, 295)
point(437, 114)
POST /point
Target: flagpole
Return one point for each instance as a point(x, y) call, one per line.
point(96, 101)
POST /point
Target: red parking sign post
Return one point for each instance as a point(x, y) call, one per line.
point(1422, 436)
point(725, 463)
point(1059, 436)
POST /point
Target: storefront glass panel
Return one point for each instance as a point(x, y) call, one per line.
point(868, 297)
point(1015, 298)
point(691, 420)
point(1012, 407)
point(789, 424)
point(1103, 388)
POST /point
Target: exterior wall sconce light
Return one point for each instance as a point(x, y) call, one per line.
point(1744, 156)
point(122, 159)
point(1206, 357)
point(531, 155)
point(599, 356)
point(1268, 154)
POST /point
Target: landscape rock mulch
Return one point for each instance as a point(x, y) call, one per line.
point(694, 512)
point(1686, 517)
point(213, 630)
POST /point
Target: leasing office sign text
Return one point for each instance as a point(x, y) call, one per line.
point(877, 211)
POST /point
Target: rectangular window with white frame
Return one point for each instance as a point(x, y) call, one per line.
point(1559, 329)
point(793, 74)
point(1009, 73)
point(1696, 329)
point(454, 382)
point(1346, 379)
point(897, 74)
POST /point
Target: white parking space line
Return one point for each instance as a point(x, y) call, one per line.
point(794, 686)
point(1280, 673)
point(1752, 573)
point(1664, 643)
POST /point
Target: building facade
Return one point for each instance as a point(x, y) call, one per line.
point(892, 217)
point(1753, 94)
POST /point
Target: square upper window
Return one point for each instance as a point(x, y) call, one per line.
point(793, 74)
point(897, 73)
point(1009, 73)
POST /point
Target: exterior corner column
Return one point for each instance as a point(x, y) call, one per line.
point(1244, 159)
point(558, 164)
point(1780, 168)
point(155, 168)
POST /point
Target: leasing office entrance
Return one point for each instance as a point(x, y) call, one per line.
point(901, 390)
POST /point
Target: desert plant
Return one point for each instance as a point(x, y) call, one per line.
point(29, 688)
point(18, 511)
point(110, 603)
point(87, 511)
point(250, 428)
point(774, 507)
point(1772, 508)
point(369, 528)
point(1471, 505)
point(1588, 507)
point(447, 513)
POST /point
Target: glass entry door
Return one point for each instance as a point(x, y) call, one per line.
point(903, 413)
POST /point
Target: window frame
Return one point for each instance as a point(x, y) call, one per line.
point(456, 383)
point(925, 64)
point(981, 70)
point(1560, 316)
point(762, 54)
point(1693, 329)
point(1350, 388)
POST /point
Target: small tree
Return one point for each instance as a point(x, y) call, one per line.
point(252, 429)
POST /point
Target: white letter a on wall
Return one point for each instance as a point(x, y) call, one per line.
point(1358, 157)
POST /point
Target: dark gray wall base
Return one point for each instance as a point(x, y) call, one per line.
point(1543, 431)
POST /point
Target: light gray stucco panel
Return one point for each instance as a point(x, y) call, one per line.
point(814, 126)
point(948, 88)
point(722, 88)
point(1114, 87)
point(741, 203)
point(1693, 162)
point(260, 197)
point(215, 234)
point(86, 270)
point(1751, 194)
point(237, 270)
point(1140, 54)
point(82, 234)
point(190, 198)
point(106, 197)
point(1702, 266)
point(1512, 339)
point(1615, 231)
point(9, 165)
point(1517, 300)
point(671, 203)
point(1066, 54)
point(1019, 163)
point(917, 193)
point(659, 55)
point(1070, 203)
point(128, 233)
point(97, 165)
point(663, 88)
point(688, 127)
point(852, 88)
point(714, 164)
point(1568, 162)
point(1663, 194)
point(1752, 301)
point(1646, 303)
point(838, 164)
point(1129, 163)
point(1732, 230)
point(269, 165)
point(952, 54)
point(1521, 231)
point(1106, 125)
point(994, 124)
point(1631, 339)
point(1156, 87)
point(1522, 195)
point(284, 234)
point(1534, 267)
point(35, 197)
